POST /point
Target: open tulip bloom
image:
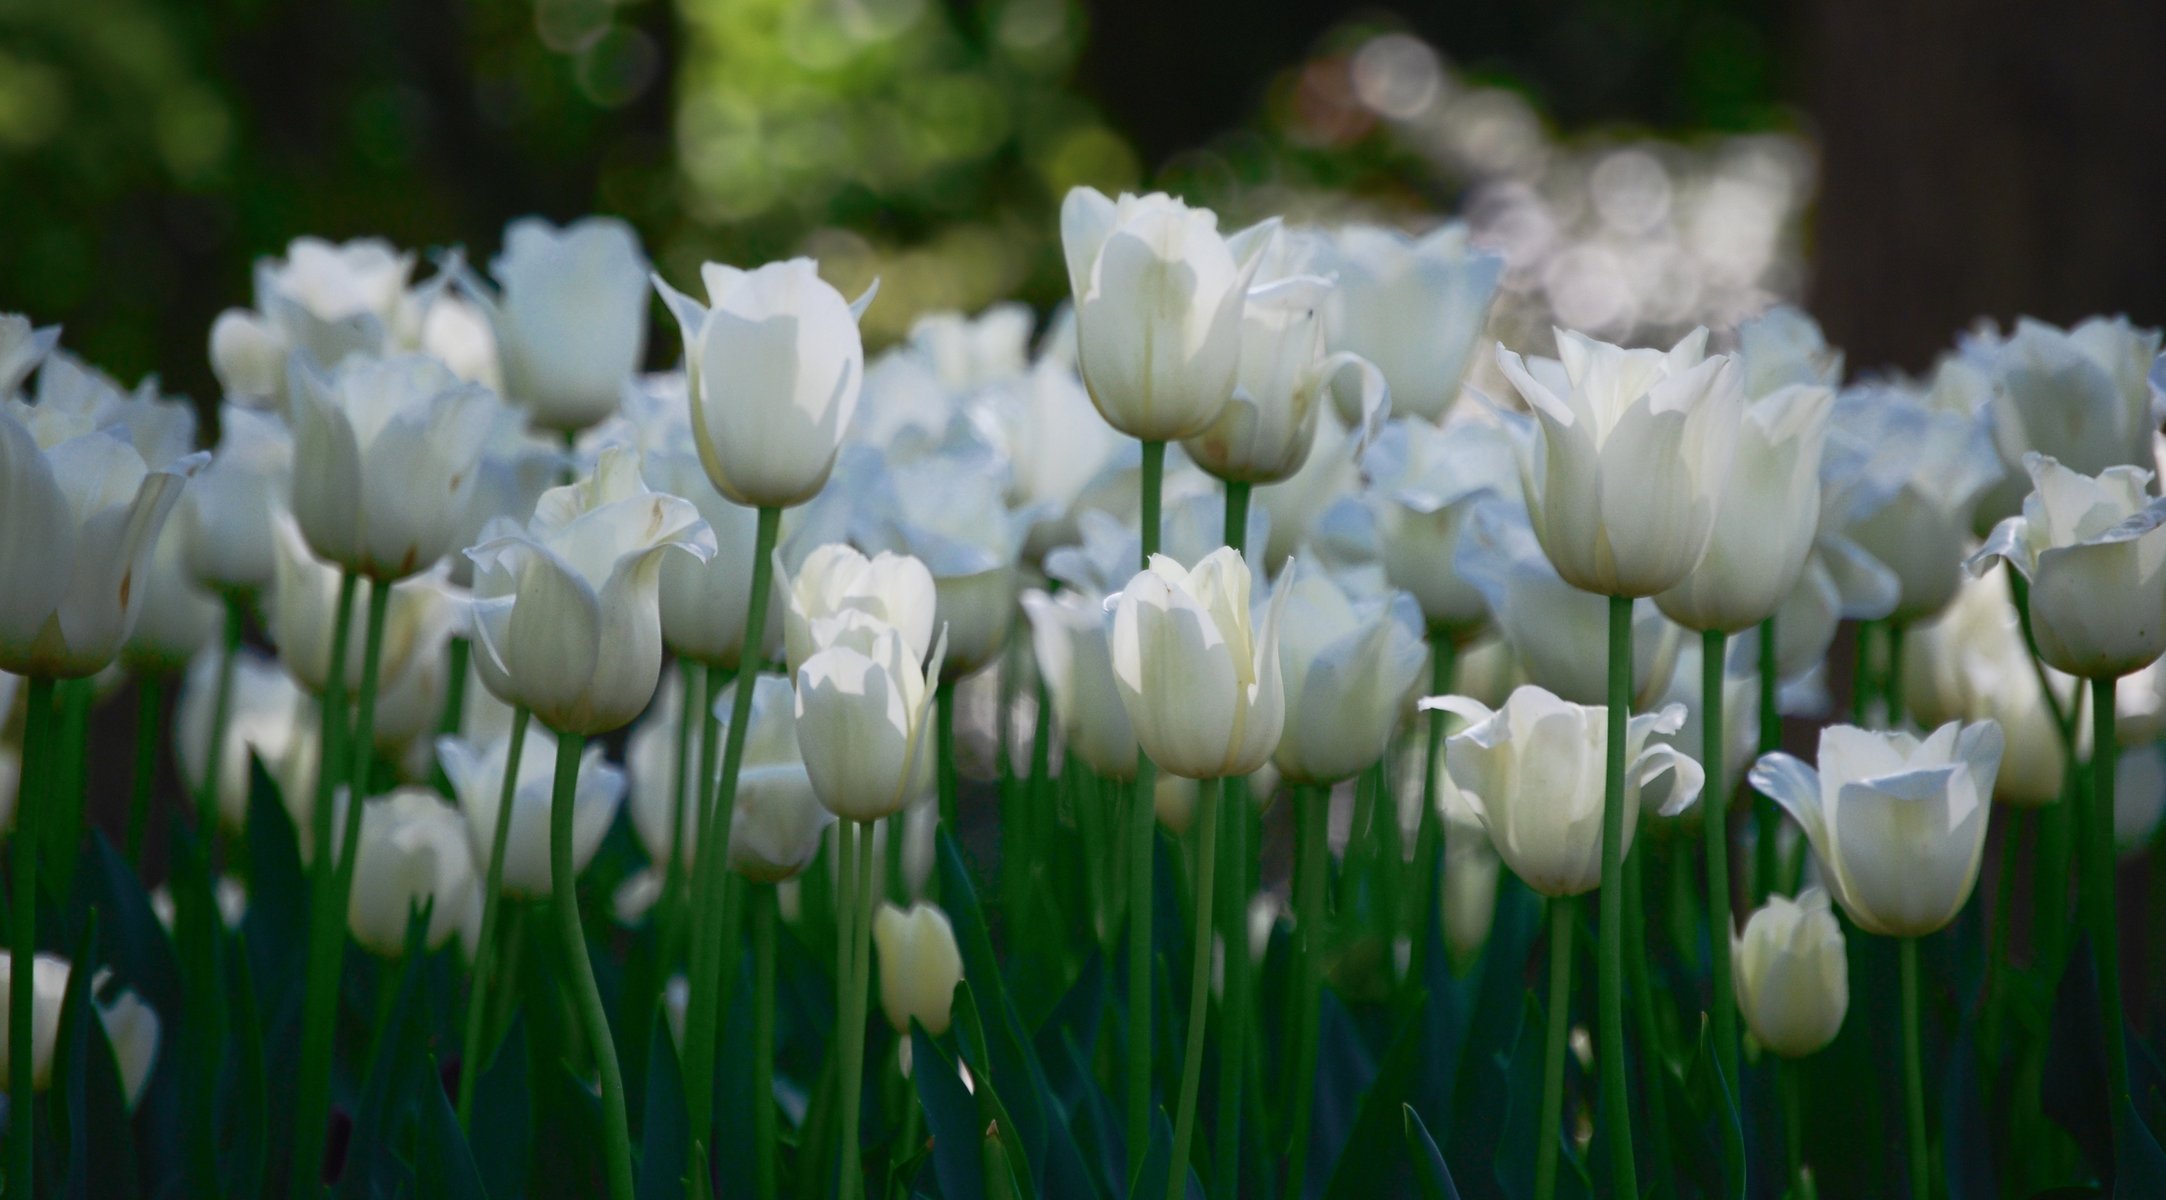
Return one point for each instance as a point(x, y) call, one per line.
point(1200, 679)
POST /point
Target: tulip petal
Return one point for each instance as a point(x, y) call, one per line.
point(37, 543)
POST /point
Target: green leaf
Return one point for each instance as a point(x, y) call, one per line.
point(203, 1017)
point(135, 944)
point(2141, 1170)
point(68, 1102)
point(951, 1114)
point(1371, 1164)
point(665, 1137)
point(993, 1113)
point(1430, 1173)
point(247, 1118)
point(391, 1070)
point(444, 1162)
point(503, 1116)
point(1714, 1103)
point(1478, 1094)
point(276, 923)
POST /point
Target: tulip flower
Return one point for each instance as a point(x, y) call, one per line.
point(777, 821)
point(863, 708)
point(566, 611)
point(1072, 636)
point(2139, 705)
point(2077, 396)
point(48, 987)
point(1194, 525)
point(184, 619)
point(323, 301)
point(571, 322)
point(476, 772)
point(919, 966)
point(1057, 447)
point(1267, 429)
point(385, 452)
point(949, 513)
point(303, 615)
point(1348, 666)
point(774, 367)
point(705, 602)
point(132, 1029)
point(268, 718)
point(412, 851)
point(1470, 888)
point(1532, 774)
point(1200, 681)
point(1897, 823)
point(2094, 550)
point(1784, 347)
point(1970, 664)
point(22, 347)
point(1630, 452)
point(836, 580)
point(1425, 482)
point(224, 523)
point(1413, 306)
point(1159, 296)
point(1793, 981)
point(130, 1026)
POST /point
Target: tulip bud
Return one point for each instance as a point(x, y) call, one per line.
point(183, 619)
point(894, 589)
point(775, 368)
point(919, 966)
point(566, 612)
point(2094, 549)
point(571, 325)
point(1898, 824)
point(1970, 664)
point(303, 616)
point(1415, 307)
point(248, 357)
point(968, 353)
point(1071, 633)
point(413, 851)
point(1348, 667)
point(2077, 396)
point(267, 718)
point(1159, 295)
point(863, 709)
point(1635, 448)
point(1469, 896)
point(952, 516)
point(704, 604)
point(777, 821)
point(224, 522)
point(1057, 448)
point(476, 772)
point(1429, 481)
point(1533, 774)
point(1267, 429)
point(1793, 982)
point(1201, 684)
point(655, 774)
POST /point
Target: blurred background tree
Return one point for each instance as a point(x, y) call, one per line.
point(1644, 165)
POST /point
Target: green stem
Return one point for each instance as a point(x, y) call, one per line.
point(327, 924)
point(1767, 815)
point(492, 907)
point(364, 743)
point(1429, 831)
point(33, 797)
point(1891, 678)
point(221, 714)
point(944, 751)
point(1237, 498)
point(1610, 969)
point(763, 1039)
point(674, 908)
point(2057, 842)
point(1640, 984)
point(1914, 1074)
point(852, 1008)
point(2097, 874)
point(1715, 820)
point(1199, 987)
point(710, 864)
point(1311, 807)
point(1142, 822)
point(1154, 473)
point(1563, 912)
point(1787, 1082)
point(1233, 1003)
point(453, 717)
point(564, 883)
point(149, 729)
point(1861, 672)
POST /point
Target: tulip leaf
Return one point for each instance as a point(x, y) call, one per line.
point(277, 919)
point(1372, 1163)
point(952, 1116)
point(1091, 1115)
point(2141, 1168)
point(994, 1115)
point(1515, 1150)
point(665, 1133)
point(1430, 1173)
point(2073, 1089)
point(1479, 1091)
point(398, 1052)
point(202, 1026)
point(1344, 1070)
point(1719, 1140)
point(133, 941)
point(444, 1163)
point(1966, 1147)
point(734, 1101)
point(501, 1116)
point(67, 1101)
point(1150, 1176)
point(243, 1149)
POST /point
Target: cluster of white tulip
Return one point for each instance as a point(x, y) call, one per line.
point(835, 554)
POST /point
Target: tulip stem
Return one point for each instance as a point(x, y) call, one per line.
point(149, 731)
point(2097, 873)
point(710, 864)
point(1787, 1083)
point(1861, 673)
point(1429, 829)
point(221, 714)
point(1154, 473)
point(1563, 913)
point(564, 883)
point(675, 906)
point(944, 752)
point(492, 907)
point(1237, 497)
point(1653, 1057)
point(1199, 987)
point(1891, 677)
point(34, 797)
point(457, 653)
point(1767, 816)
point(1715, 820)
point(851, 1037)
point(1142, 830)
point(1616, 1104)
point(1914, 1074)
point(1312, 806)
point(763, 1039)
point(1233, 1000)
point(327, 921)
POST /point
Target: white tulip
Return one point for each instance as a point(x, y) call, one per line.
point(863, 717)
point(1970, 664)
point(1056, 445)
point(2139, 705)
point(303, 615)
point(1784, 347)
point(1427, 481)
point(2077, 396)
point(1159, 294)
point(1296, 511)
point(323, 301)
point(224, 521)
point(1631, 453)
point(131, 1028)
point(2094, 549)
point(775, 368)
point(1469, 896)
point(1793, 981)
point(1840, 582)
point(919, 966)
point(567, 612)
point(571, 324)
point(1265, 432)
point(1072, 636)
point(1200, 680)
point(1532, 773)
point(973, 352)
point(1414, 307)
point(705, 603)
point(1193, 523)
point(48, 988)
point(1898, 824)
point(268, 717)
point(412, 852)
point(22, 347)
point(836, 580)
point(650, 760)
point(949, 513)
point(476, 772)
point(183, 620)
point(778, 821)
point(1348, 666)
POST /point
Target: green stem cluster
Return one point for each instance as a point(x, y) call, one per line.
point(1199, 987)
point(1715, 820)
point(1142, 819)
point(1312, 806)
point(1563, 912)
point(564, 887)
point(492, 907)
point(1610, 967)
point(855, 918)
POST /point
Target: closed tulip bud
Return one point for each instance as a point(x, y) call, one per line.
point(1267, 429)
point(704, 603)
point(303, 613)
point(775, 367)
point(1348, 667)
point(778, 821)
point(1971, 663)
point(1072, 635)
point(267, 715)
point(1469, 895)
point(1766, 516)
point(476, 772)
point(248, 356)
point(224, 522)
point(385, 455)
point(1201, 682)
point(1414, 307)
point(1898, 824)
point(413, 852)
point(919, 966)
point(1426, 482)
point(84, 509)
point(1159, 295)
point(2077, 396)
point(2094, 549)
point(571, 323)
point(836, 579)
point(566, 612)
point(48, 987)
point(863, 711)
point(1630, 451)
point(1532, 773)
point(1793, 981)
